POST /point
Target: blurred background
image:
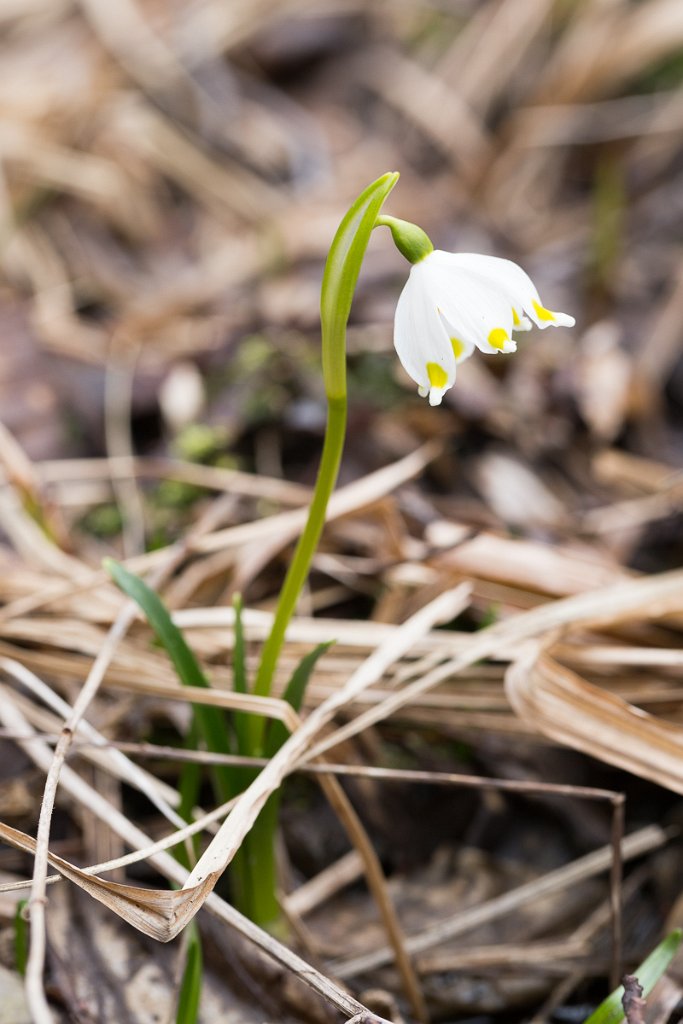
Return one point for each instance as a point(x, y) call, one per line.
point(171, 176)
point(173, 173)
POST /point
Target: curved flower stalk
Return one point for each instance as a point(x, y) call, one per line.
point(453, 303)
point(339, 284)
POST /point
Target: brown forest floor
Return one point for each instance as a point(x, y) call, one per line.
point(172, 176)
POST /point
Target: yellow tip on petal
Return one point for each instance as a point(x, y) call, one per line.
point(515, 317)
point(498, 338)
point(438, 378)
point(458, 347)
point(542, 313)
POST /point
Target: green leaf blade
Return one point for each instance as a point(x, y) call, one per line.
point(20, 938)
point(168, 634)
point(210, 720)
point(294, 694)
point(244, 723)
point(189, 996)
point(610, 1011)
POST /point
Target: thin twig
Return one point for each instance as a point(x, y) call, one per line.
point(172, 870)
point(35, 993)
point(554, 881)
point(615, 888)
point(632, 1000)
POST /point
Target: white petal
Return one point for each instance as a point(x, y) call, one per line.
point(436, 395)
point(420, 335)
point(475, 310)
point(509, 279)
point(462, 346)
point(558, 320)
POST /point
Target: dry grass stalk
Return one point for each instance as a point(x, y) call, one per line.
point(162, 796)
point(223, 847)
point(324, 885)
point(648, 598)
point(284, 526)
point(561, 704)
point(134, 113)
point(75, 471)
point(585, 867)
point(151, 915)
point(446, 606)
point(36, 958)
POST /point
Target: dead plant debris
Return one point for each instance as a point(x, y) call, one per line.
point(481, 814)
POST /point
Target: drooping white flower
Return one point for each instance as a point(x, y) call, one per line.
point(454, 302)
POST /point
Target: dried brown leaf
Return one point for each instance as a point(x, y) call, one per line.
point(563, 705)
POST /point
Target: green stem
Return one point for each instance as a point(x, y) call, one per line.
point(339, 284)
point(258, 848)
point(330, 459)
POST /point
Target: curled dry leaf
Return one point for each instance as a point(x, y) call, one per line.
point(160, 913)
point(561, 704)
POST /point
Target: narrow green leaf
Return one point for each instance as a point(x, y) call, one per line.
point(190, 776)
point(191, 985)
point(211, 721)
point(189, 786)
point(294, 693)
point(227, 782)
point(239, 659)
point(169, 635)
point(258, 848)
point(20, 938)
point(249, 875)
point(186, 854)
point(243, 730)
point(648, 974)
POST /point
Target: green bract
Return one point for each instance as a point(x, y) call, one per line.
point(341, 274)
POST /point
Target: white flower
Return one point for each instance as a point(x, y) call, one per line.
point(453, 302)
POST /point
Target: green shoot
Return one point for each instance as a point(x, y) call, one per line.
point(191, 984)
point(20, 937)
point(253, 873)
point(648, 974)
